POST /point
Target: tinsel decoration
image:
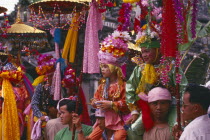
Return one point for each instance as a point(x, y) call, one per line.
point(169, 32)
point(165, 70)
point(124, 18)
point(194, 17)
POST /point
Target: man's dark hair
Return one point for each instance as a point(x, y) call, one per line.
point(53, 103)
point(71, 106)
point(199, 95)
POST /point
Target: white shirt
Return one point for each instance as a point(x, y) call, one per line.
point(198, 129)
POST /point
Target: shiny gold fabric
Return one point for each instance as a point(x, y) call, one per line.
point(71, 40)
point(149, 76)
point(10, 122)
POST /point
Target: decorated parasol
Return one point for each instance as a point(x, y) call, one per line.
point(20, 35)
point(50, 14)
point(66, 6)
point(2, 9)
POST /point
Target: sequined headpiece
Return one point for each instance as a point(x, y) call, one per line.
point(113, 48)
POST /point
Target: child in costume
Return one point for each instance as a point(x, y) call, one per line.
point(145, 76)
point(110, 95)
point(43, 93)
point(14, 90)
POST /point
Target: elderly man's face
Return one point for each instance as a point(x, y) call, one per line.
point(159, 109)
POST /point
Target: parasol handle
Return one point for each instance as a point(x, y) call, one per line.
point(178, 102)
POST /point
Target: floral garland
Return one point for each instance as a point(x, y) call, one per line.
point(194, 17)
point(69, 77)
point(178, 6)
point(5, 26)
point(124, 19)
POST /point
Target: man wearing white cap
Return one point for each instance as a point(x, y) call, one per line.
point(159, 100)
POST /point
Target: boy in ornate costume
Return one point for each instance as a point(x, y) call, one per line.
point(110, 95)
point(145, 76)
point(16, 97)
point(43, 93)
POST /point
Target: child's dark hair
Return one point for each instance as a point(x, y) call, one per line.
point(71, 106)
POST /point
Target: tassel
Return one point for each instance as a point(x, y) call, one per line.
point(146, 114)
point(38, 80)
point(10, 121)
point(169, 32)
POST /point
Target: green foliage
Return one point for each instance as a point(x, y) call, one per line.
point(196, 71)
point(201, 31)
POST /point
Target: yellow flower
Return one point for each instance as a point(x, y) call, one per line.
point(144, 27)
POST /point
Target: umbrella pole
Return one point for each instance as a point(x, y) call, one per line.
point(178, 102)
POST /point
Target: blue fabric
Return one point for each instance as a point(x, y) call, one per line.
point(62, 64)
point(57, 35)
point(28, 88)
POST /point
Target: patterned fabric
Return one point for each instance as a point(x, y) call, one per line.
point(40, 100)
point(91, 47)
point(116, 94)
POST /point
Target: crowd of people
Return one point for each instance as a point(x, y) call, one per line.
point(140, 108)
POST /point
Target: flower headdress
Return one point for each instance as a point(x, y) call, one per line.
point(45, 66)
point(69, 79)
point(148, 38)
point(113, 48)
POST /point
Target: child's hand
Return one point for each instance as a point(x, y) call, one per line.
point(132, 119)
point(93, 102)
point(104, 104)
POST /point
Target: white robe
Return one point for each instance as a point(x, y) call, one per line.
point(198, 129)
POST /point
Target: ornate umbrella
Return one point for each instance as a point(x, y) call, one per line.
point(20, 35)
point(66, 6)
point(57, 13)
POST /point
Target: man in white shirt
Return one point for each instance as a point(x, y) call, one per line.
point(196, 101)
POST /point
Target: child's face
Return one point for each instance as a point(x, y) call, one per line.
point(149, 55)
point(105, 70)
